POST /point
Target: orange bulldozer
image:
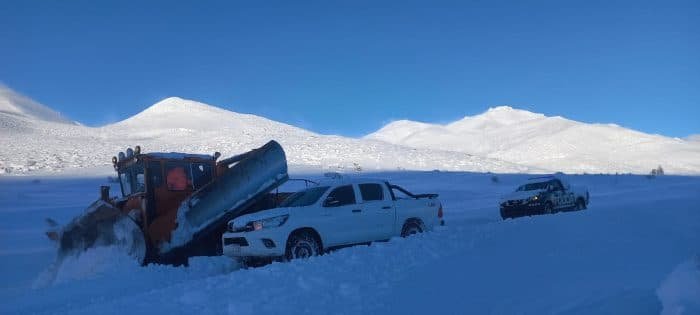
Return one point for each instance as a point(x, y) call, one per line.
point(174, 206)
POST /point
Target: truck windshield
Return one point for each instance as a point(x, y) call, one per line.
point(304, 198)
point(533, 186)
point(132, 179)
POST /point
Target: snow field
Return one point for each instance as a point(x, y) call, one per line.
point(630, 252)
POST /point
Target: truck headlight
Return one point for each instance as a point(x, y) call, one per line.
point(535, 198)
point(270, 222)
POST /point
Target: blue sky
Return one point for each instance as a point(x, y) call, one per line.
point(349, 67)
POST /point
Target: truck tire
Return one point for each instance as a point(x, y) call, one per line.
point(410, 228)
point(302, 244)
point(503, 215)
point(548, 208)
point(580, 204)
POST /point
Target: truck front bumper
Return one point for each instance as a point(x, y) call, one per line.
point(519, 210)
point(260, 243)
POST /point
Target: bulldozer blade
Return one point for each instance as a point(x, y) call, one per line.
point(101, 224)
point(253, 175)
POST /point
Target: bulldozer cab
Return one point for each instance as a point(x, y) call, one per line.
point(147, 172)
point(157, 183)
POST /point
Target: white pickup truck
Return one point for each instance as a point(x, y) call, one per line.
point(332, 214)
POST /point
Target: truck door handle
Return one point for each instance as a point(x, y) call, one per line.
point(357, 210)
point(386, 207)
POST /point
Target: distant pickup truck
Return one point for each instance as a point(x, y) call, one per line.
point(543, 195)
point(332, 214)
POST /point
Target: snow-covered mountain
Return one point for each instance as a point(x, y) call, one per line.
point(13, 104)
point(552, 143)
point(179, 125)
point(503, 139)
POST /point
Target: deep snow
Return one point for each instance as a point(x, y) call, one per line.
point(634, 251)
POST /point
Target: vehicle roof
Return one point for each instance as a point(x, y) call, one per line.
point(178, 155)
point(349, 181)
point(541, 179)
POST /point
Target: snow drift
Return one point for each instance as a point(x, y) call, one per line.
point(680, 291)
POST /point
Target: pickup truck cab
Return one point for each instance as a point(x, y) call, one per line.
point(332, 214)
point(543, 195)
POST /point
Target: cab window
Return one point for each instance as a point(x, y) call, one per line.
point(341, 196)
point(155, 173)
point(125, 181)
point(201, 174)
point(371, 192)
point(132, 179)
point(177, 176)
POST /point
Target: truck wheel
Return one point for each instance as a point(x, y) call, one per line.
point(302, 244)
point(580, 204)
point(548, 208)
point(410, 228)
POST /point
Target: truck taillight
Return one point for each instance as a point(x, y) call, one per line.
point(440, 212)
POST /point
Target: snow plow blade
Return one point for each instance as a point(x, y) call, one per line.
point(101, 224)
point(249, 177)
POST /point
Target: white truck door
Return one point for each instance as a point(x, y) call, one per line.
point(377, 210)
point(343, 220)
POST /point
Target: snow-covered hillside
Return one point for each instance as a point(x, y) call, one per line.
point(551, 143)
point(18, 105)
point(504, 140)
point(175, 124)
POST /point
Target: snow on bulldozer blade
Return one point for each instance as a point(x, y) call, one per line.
point(100, 225)
point(85, 265)
point(97, 232)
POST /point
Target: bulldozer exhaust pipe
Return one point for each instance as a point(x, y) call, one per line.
point(104, 193)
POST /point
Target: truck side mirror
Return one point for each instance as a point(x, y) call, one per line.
point(331, 202)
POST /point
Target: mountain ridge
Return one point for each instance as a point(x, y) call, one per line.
point(16, 104)
point(180, 125)
point(502, 139)
point(549, 142)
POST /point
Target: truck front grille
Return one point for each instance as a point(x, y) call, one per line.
point(240, 241)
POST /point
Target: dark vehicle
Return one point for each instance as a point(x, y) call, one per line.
point(543, 195)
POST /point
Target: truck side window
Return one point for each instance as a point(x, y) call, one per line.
point(557, 185)
point(341, 196)
point(371, 192)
